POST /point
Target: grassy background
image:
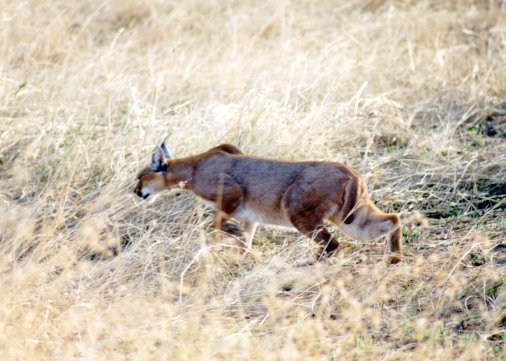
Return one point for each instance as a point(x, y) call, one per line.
point(411, 93)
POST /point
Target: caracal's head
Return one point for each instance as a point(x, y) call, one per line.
point(152, 179)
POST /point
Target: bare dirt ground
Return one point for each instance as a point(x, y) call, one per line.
point(410, 93)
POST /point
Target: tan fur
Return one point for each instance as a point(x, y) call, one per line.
point(304, 195)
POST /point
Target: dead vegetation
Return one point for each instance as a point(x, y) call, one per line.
point(409, 93)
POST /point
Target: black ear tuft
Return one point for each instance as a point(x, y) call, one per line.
point(158, 163)
point(166, 153)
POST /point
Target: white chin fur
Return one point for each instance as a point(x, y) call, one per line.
point(151, 198)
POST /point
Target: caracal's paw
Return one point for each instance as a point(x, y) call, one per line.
point(394, 258)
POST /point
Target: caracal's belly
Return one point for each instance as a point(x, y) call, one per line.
point(263, 215)
point(254, 213)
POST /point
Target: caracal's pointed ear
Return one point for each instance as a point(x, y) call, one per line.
point(158, 162)
point(166, 153)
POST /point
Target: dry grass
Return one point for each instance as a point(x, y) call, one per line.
point(411, 93)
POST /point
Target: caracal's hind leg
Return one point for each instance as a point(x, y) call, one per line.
point(368, 222)
point(249, 230)
point(230, 228)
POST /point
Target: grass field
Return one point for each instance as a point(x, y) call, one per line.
point(410, 93)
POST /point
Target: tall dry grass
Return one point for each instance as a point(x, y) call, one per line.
point(411, 93)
